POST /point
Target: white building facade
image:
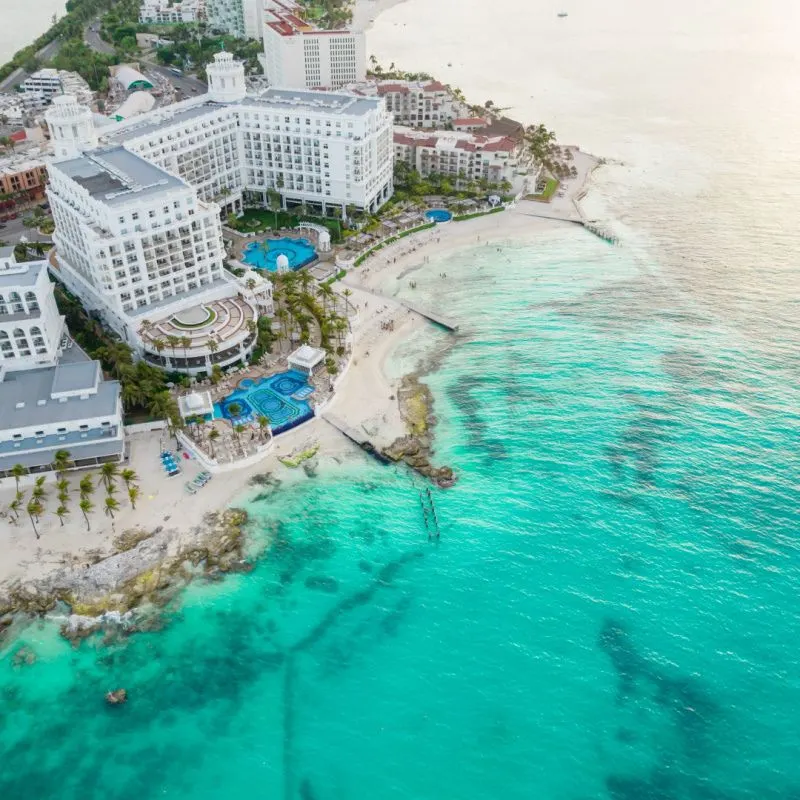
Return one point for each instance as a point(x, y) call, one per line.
point(417, 104)
point(296, 53)
point(240, 18)
point(44, 81)
point(167, 12)
point(140, 246)
point(327, 150)
point(459, 155)
point(52, 397)
point(31, 328)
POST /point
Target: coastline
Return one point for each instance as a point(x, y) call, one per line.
point(365, 12)
point(65, 561)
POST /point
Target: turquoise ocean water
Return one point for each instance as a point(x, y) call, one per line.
point(610, 612)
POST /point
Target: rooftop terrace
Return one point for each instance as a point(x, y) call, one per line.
point(114, 176)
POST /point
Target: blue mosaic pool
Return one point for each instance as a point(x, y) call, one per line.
point(264, 255)
point(438, 215)
point(281, 398)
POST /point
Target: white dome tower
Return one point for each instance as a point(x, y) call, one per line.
point(226, 82)
point(71, 127)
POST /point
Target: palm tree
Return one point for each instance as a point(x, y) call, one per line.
point(61, 512)
point(160, 405)
point(133, 494)
point(326, 293)
point(251, 326)
point(39, 492)
point(86, 506)
point(132, 394)
point(128, 476)
point(347, 294)
point(239, 430)
point(15, 505)
point(61, 461)
point(263, 424)
point(213, 346)
point(274, 202)
point(18, 471)
point(146, 326)
point(213, 435)
point(158, 346)
point(34, 509)
point(108, 472)
point(234, 409)
point(186, 343)
point(250, 284)
point(86, 486)
point(112, 505)
point(173, 342)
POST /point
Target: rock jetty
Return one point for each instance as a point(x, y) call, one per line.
point(416, 448)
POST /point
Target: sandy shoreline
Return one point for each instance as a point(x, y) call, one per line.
point(365, 399)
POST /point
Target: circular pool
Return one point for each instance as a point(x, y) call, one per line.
point(438, 215)
point(264, 255)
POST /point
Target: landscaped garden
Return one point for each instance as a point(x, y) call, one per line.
point(259, 220)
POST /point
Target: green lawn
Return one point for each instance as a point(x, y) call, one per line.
point(549, 190)
point(256, 219)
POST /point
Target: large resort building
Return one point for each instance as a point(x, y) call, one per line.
point(297, 53)
point(138, 209)
point(52, 396)
point(418, 104)
point(459, 155)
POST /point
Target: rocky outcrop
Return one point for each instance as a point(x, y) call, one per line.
point(416, 448)
point(117, 697)
point(124, 591)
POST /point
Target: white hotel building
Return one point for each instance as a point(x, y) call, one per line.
point(169, 12)
point(52, 397)
point(297, 53)
point(137, 210)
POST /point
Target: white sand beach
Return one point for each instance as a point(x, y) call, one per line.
point(365, 400)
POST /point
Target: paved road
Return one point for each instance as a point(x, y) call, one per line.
point(188, 84)
point(17, 76)
point(46, 53)
point(92, 38)
point(13, 230)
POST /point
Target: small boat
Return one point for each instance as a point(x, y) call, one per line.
point(563, 14)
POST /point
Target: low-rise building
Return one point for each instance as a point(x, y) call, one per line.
point(459, 155)
point(42, 86)
point(52, 396)
point(66, 407)
point(169, 12)
point(23, 175)
point(297, 53)
point(417, 104)
point(44, 81)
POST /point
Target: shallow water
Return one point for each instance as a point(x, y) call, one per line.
point(609, 611)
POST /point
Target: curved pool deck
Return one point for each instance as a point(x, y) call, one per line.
point(264, 254)
point(280, 398)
